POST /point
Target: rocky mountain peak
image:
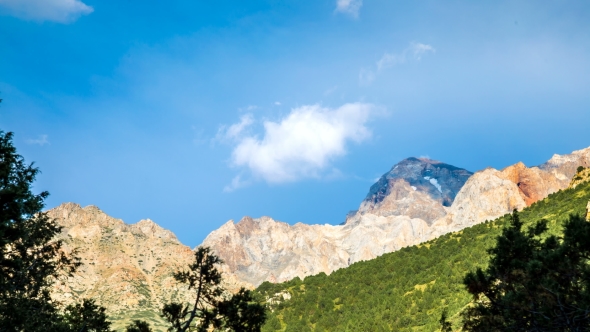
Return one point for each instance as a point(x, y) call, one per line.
point(128, 268)
point(564, 167)
point(415, 187)
point(438, 180)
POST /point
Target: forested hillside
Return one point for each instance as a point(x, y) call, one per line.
point(405, 290)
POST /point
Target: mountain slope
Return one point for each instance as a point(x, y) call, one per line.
point(417, 200)
point(405, 290)
point(126, 268)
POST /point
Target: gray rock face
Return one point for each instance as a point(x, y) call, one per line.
point(438, 180)
point(415, 187)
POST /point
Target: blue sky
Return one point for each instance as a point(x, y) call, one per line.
point(192, 113)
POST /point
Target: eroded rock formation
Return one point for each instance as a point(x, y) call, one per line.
point(126, 268)
point(419, 199)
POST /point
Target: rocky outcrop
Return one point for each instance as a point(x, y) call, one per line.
point(126, 268)
point(490, 193)
point(563, 167)
point(582, 176)
point(396, 213)
point(415, 187)
point(261, 249)
point(417, 200)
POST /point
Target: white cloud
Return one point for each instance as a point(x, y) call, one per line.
point(42, 140)
point(62, 11)
point(350, 7)
point(236, 183)
point(235, 131)
point(277, 103)
point(415, 51)
point(302, 144)
point(419, 49)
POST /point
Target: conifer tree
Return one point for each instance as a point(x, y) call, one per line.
point(534, 282)
point(212, 307)
point(138, 326)
point(31, 260)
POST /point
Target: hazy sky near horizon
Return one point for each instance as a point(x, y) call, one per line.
point(192, 113)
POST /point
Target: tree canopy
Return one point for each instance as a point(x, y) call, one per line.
point(406, 290)
point(213, 307)
point(31, 261)
point(533, 282)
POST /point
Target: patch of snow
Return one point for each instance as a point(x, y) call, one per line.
point(427, 178)
point(414, 188)
point(435, 183)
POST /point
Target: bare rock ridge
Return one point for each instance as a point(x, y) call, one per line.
point(126, 268)
point(419, 199)
point(415, 187)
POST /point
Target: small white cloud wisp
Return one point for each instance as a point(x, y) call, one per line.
point(41, 140)
point(235, 131)
point(350, 7)
point(413, 52)
point(61, 11)
point(301, 145)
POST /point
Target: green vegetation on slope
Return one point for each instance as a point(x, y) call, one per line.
point(405, 290)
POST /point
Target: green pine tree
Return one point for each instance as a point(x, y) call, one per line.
point(138, 326)
point(212, 307)
point(533, 282)
point(31, 261)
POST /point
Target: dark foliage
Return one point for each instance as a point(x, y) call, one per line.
point(30, 260)
point(138, 326)
point(531, 283)
point(86, 317)
point(213, 307)
point(445, 325)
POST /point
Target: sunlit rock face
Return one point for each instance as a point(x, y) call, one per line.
point(490, 193)
point(563, 167)
point(262, 249)
point(417, 200)
point(396, 213)
point(127, 268)
point(415, 187)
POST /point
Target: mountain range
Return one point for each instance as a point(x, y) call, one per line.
point(417, 200)
point(128, 268)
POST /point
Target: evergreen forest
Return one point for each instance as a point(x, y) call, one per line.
point(409, 289)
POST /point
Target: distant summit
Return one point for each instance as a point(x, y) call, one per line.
point(440, 181)
point(414, 187)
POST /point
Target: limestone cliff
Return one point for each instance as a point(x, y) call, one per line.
point(563, 167)
point(405, 207)
point(262, 249)
point(126, 268)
